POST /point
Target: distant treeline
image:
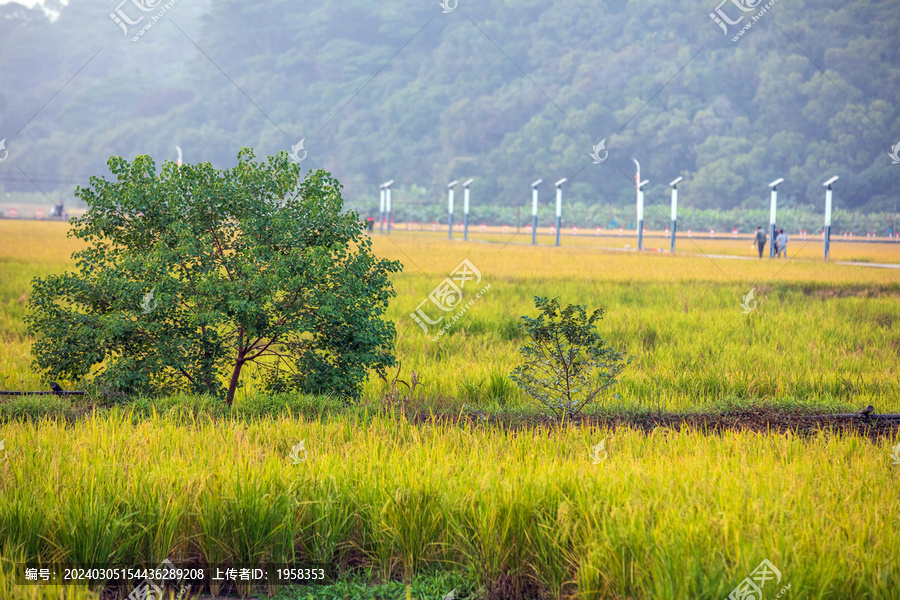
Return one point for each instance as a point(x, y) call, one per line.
point(503, 91)
point(655, 217)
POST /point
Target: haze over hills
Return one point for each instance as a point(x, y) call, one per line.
point(505, 92)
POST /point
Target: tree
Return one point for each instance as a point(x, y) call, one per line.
point(567, 364)
point(193, 274)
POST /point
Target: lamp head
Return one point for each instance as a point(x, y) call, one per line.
point(675, 182)
point(537, 183)
point(387, 184)
point(643, 183)
point(468, 183)
point(776, 182)
point(561, 182)
point(830, 181)
point(452, 184)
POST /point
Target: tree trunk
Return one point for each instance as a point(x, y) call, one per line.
point(235, 377)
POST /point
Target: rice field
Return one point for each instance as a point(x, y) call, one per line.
point(493, 511)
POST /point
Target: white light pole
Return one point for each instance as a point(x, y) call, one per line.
point(386, 206)
point(466, 208)
point(674, 185)
point(640, 204)
point(381, 209)
point(640, 187)
point(772, 209)
point(534, 209)
point(559, 185)
point(827, 185)
point(450, 187)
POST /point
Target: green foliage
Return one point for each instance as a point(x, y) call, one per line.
point(591, 214)
point(191, 274)
point(499, 388)
point(567, 364)
point(493, 386)
point(430, 586)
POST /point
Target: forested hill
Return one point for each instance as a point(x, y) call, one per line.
point(502, 91)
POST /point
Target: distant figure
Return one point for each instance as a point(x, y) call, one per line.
point(781, 243)
point(371, 224)
point(760, 240)
point(56, 388)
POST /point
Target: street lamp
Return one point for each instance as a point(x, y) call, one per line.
point(386, 205)
point(381, 209)
point(534, 208)
point(466, 208)
point(559, 185)
point(640, 212)
point(640, 204)
point(774, 205)
point(827, 185)
point(450, 187)
point(674, 185)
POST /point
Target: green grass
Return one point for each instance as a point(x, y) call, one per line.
point(432, 586)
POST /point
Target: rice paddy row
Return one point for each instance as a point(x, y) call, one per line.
point(672, 515)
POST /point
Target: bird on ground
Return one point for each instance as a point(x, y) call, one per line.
point(865, 412)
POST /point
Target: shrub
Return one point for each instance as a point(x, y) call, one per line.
point(567, 364)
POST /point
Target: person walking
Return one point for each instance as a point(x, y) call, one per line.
point(760, 240)
point(781, 243)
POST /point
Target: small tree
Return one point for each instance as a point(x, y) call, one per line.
point(567, 364)
point(193, 274)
